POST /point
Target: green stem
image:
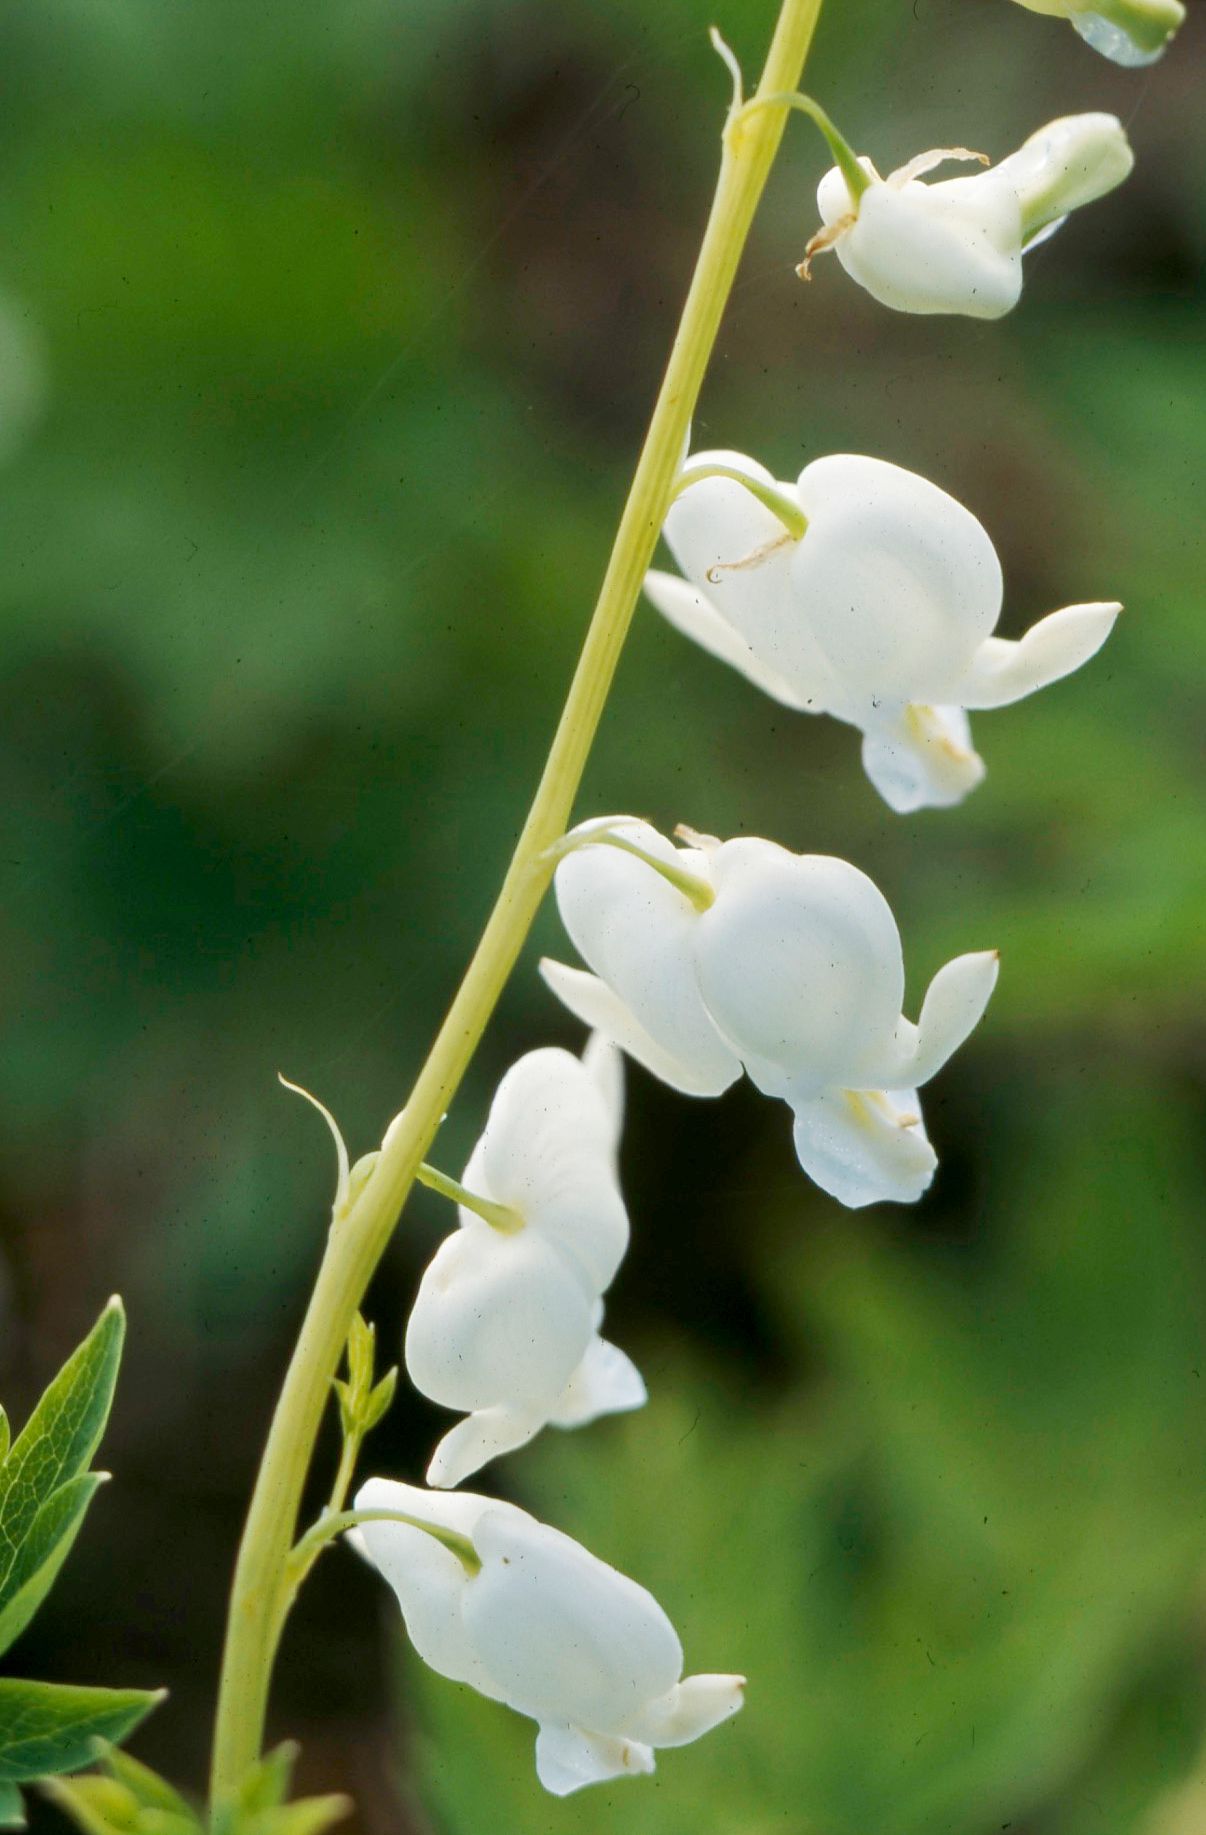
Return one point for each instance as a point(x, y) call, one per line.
point(776, 501)
point(498, 1216)
point(359, 1237)
point(692, 887)
point(844, 155)
point(334, 1523)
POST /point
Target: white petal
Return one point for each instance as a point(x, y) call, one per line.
point(567, 1758)
point(1001, 671)
point(897, 581)
point(949, 247)
point(564, 1636)
point(952, 1009)
point(833, 194)
point(429, 1580)
point(498, 1319)
point(548, 1151)
point(603, 1062)
point(479, 1438)
point(692, 613)
point(737, 554)
point(605, 1382)
point(599, 1006)
point(865, 1147)
point(1068, 163)
point(923, 760)
point(799, 961)
point(1113, 42)
point(687, 1712)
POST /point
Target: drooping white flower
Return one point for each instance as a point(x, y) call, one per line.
point(1131, 32)
point(506, 1322)
point(957, 245)
point(547, 1628)
point(880, 613)
point(793, 972)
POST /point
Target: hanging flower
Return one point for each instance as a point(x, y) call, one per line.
point(506, 1322)
point(545, 1627)
point(788, 966)
point(880, 612)
point(1129, 32)
point(957, 246)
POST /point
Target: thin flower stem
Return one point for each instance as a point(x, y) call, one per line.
point(358, 1238)
point(333, 1523)
point(498, 1216)
point(855, 175)
point(776, 501)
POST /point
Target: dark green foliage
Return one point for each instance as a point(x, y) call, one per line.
point(45, 1491)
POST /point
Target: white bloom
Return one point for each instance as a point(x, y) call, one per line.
point(547, 1628)
point(881, 614)
point(506, 1322)
point(794, 971)
point(957, 246)
point(1127, 31)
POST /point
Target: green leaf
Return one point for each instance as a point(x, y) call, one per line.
point(12, 1810)
point(151, 1791)
point(43, 1553)
point(97, 1806)
point(308, 1816)
point(4, 1436)
point(61, 1435)
point(47, 1728)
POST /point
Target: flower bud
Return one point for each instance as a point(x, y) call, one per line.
point(957, 245)
point(1131, 32)
point(547, 1628)
point(506, 1322)
point(881, 613)
point(796, 965)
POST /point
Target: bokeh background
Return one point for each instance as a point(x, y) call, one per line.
point(327, 336)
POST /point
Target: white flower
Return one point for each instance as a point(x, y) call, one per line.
point(880, 614)
point(957, 246)
point(506, 1322)
point(1127, 31)
point(547, 1628)
point(793, 973)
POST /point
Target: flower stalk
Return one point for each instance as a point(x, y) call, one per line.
point(361, 1231)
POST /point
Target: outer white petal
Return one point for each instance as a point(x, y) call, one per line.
point(605, 1382)
point(1113, 42)
point(898, 582)
point(634, 929)
point(737, 554)
point(429, 1580)
point(548, 1151)
point(599, 1006)
point(479, 1438)
point(568, 1758)
point(694, 614)
point(603, 1062)
point(800, 963)
point(687, 1712)
point(923, 760)
point(864, 1147)
point(565, 1637)
point(1068, 163)
point(949, 247)
point(1001, 671)
point(498, 1319)
point(952, 1009)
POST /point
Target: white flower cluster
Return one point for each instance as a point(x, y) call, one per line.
point(861, 591)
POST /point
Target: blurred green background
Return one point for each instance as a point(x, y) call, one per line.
point(327, 335)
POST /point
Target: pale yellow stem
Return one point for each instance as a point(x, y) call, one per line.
point(359, 1237)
